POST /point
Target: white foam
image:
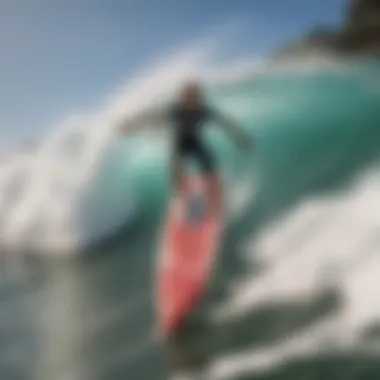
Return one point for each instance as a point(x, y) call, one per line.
point(327, 243)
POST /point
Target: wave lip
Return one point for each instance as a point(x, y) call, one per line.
point(48, 203)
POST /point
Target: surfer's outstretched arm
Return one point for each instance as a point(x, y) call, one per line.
point(243, 139)
point(151, 117)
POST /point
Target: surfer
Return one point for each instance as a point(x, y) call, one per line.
point(187, 116)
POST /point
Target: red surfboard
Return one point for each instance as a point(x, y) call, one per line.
point(190, 241)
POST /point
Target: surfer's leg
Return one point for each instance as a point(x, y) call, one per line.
point(214, 186)
point(178, 174)
point(210, 173)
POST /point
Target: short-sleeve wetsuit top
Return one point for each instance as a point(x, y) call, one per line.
point(188, 140)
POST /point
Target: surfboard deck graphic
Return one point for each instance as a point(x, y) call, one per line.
point(190, 241)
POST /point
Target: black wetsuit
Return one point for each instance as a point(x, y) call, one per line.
point(188, 140)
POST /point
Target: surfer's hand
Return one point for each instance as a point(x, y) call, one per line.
point(127, 127)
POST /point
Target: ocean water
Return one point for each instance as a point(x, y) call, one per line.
point(294, 293)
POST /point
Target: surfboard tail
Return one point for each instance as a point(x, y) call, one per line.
point(178, 299)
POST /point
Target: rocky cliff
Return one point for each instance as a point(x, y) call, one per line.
point(358, 34)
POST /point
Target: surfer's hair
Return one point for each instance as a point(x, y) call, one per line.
point(191, 85)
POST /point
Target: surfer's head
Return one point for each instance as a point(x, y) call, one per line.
point(191, 94)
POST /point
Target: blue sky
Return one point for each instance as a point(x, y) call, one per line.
point(66, 55)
